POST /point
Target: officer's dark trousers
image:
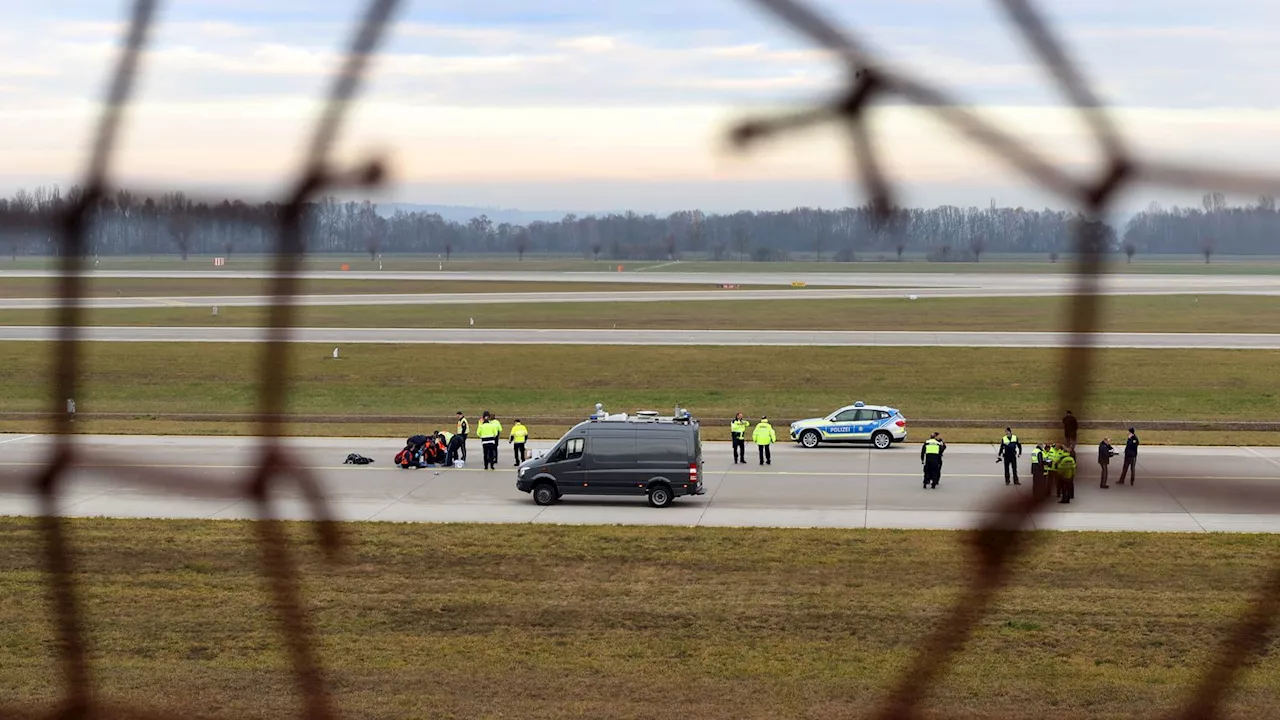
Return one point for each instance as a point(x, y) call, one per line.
point(519, 448)
point(1105, 469)
point(490, 450)
point(1039, 485)
point(766, 456)
point(462, 447)
point(1130, 463)
point(1054, 485)
point(739, 449)
point(932, 469)
point(1011, 465)
point(1068, 488)
point(455, 449)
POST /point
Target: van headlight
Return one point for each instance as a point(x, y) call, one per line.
point(520, 473)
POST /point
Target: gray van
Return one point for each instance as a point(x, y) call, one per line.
point(643, 455)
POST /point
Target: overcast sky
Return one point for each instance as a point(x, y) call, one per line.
point(596, 105)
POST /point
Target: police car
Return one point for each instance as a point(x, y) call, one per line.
point(881, 426)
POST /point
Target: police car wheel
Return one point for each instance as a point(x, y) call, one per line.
point(882, 440)
point(544, 494)
point(660, 495)
point(809, 438)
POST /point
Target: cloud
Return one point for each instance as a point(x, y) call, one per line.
point(625, 92)
point(589, 44)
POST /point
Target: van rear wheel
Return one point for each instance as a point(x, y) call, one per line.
point(660, 495)
point(544, 494)
point(882, 440)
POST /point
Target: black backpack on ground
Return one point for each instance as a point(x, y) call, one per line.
point(357, 459)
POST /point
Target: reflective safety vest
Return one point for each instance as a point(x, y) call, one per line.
point(448, 436)
point(489, 429)
point(1066, 467)
point(739, 427)
point(932, 447)
point(463, 426)
point(1011, 440)
point(1051, 459)
point(519, 432)
point(763, 434)
point(1036, 456)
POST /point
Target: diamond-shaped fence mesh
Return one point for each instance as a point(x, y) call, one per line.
point(995, 546)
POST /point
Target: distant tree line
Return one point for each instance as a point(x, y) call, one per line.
point(174, 224)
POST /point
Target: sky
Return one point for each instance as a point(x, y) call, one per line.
point(604, 105)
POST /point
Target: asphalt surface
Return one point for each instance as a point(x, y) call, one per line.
point(509, 336)
point(841, 286)
point(1180, 489)
point(1060, 281)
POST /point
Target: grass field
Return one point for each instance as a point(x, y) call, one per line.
point(466, 621)
point(566, 381)
point(873, 262)
point(1144, 313)
point(166, 287)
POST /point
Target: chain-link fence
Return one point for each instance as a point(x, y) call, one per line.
point(995, 546)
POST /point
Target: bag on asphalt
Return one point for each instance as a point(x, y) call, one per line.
point(357, 459)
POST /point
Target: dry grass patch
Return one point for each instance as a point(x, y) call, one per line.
point(465, 621)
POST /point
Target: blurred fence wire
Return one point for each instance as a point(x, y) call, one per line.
point(995, 546)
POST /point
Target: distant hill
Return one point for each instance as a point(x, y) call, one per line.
point(464, 213)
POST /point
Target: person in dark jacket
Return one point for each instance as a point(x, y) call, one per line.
point(1105, 453)
point(1039, 486)
point(1010, 451)
point(931, 458)
point(1070, 428)
point(1130, 459)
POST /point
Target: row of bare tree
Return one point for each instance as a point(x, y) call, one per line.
point(173, 223)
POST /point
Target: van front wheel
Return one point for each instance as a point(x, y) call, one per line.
point(544, 494)
point(659, 495)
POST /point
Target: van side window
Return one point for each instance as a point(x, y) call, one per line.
point(662, 449)
point(573, 448)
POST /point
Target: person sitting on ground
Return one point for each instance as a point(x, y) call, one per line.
point(429, 454)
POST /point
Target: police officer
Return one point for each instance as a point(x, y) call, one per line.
point(1038, 489)
point(447, 438)
point(457, 448)
point(931, 459)
point(1051, 467)
point(519, 433)
point(1010, 451)
point(763, 436)
point(1066, 467)
point(488, 432)
point(1105, 453)
point(464, 429)
point(1130, 459)
point(738, 432)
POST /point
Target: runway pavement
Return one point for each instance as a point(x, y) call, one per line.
point(841, 286)
point(525, 336)
point(1180, 489)
point(1061, 281)
point(812, 294)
